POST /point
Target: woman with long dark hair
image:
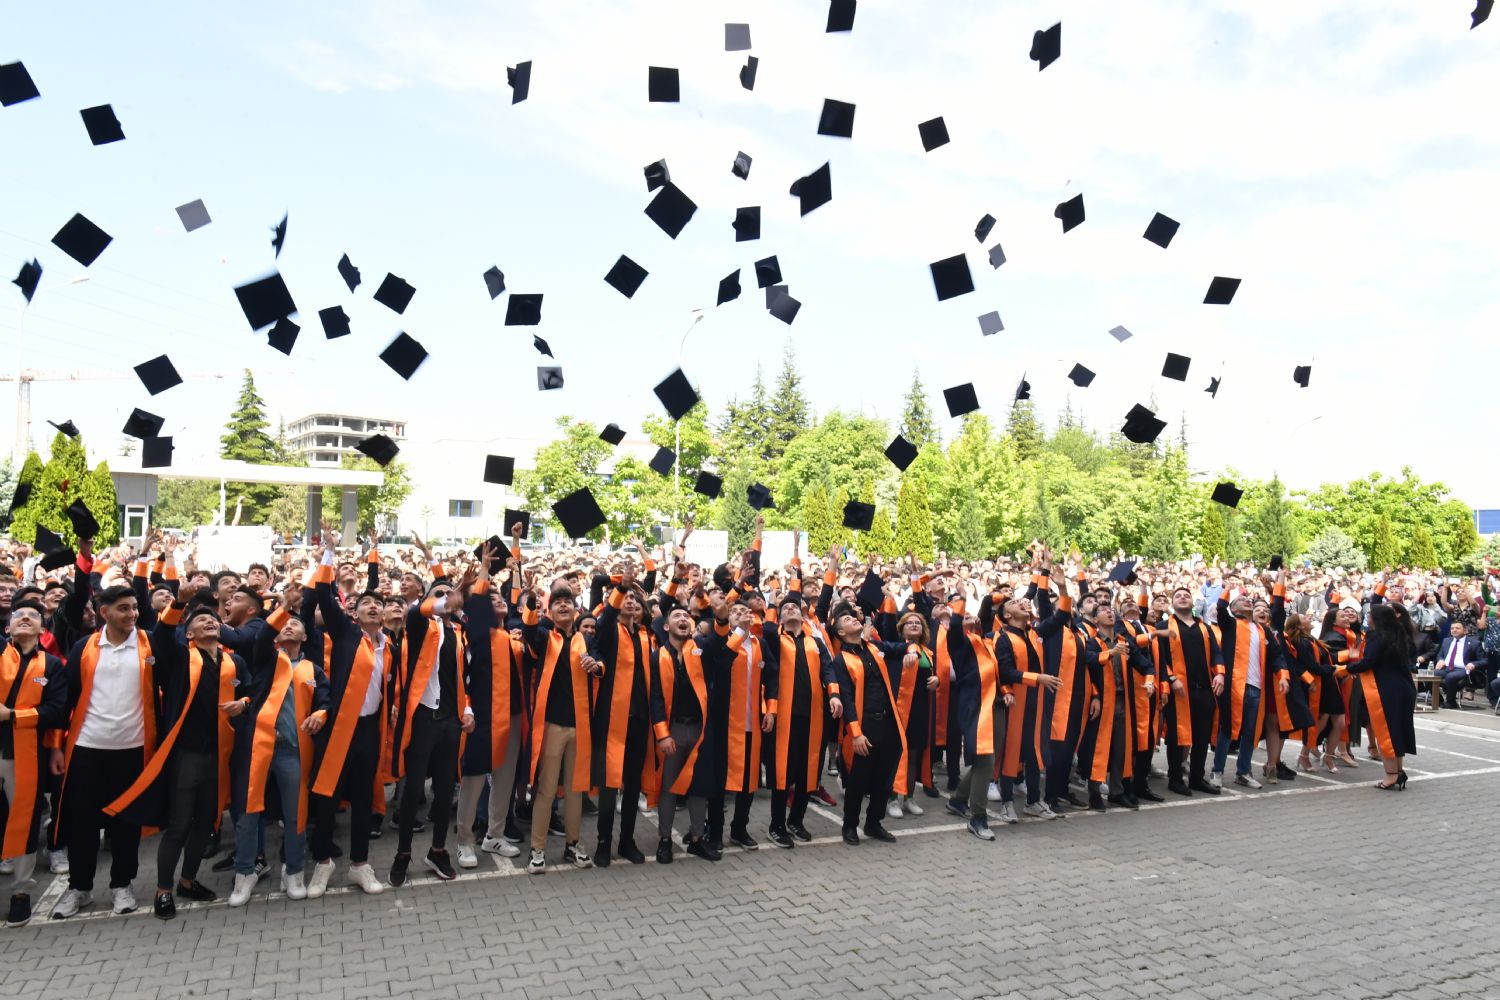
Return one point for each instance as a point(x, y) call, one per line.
point(1342, 636)
point(1314, 670)
point(1384, 677)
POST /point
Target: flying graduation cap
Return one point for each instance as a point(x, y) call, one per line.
point(677, 394)
point(747, 224)
point(961, 399)
point(951, 277)
point(1023, 391)
point(1227, 494)
point(578, 512)
point(990, 324)
point(758, 496)
point(1080, 376)
point(612, 434)
point(102, 125)
point(283, 336)
point(193, 215)
point(1161, 230)
point(523, 310)
point(859, 516)
point(1213, 388)
point(729, 288)
point(657, 175)
point(1070, 212)
point(499, 469)
point(671, 210)
point(815, 190)
point(16, 85)
point(1176, 367)
point(708, 484)
point(394, 293)
point(837, 119)
point(934, 133)
point(841, 15)
point(741, 166)
point(736, 37)
point(1302, 375)
point(156, 452)
point(747, 72)
point(663, 85)
point(266, 300)
point(142, 424)
point(982, 231)
point(1221, 291)
point(380, 448)
point(901, 452)
point(29, 277)
point(626, 276)
point(1482, 9)
point(549, 377)
point(84, 523)
point(82, 240)
point(278, 234)
point(1046, 46)
point(158, 375)
point(67, 427)
point(1142, 425)
point(404, 355)
point(518, 78)
point(335, 322)
point(494, 282)
point(767, 273)
point(661, 463)
point(348, 272)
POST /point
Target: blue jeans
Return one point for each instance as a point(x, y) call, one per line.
point(249, 833)
point(1248, 735)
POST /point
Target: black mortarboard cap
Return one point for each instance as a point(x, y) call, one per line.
point(741, 166)
point(991, 324)
point(394, 293)
point(193, 215)
point(498, 550)
point(709, 485)
point(102, 125)
point(156, 452)
point(1121, 334)
point(518, 78)
point(82, 240)
point(1302, 375)
point(612, 434)
point(1227, 494)
point(837, 119)
point(66, 427)
point(1221, 291)
point(348, 272)
point(729, 288)
point(657, 175)
point(626, 276)
point(1081, 376)
point(335, 322)
point(676, 394)
point(523, 310)
point(747, 224)
point(859, 516)
point(29, 277)
point(982, 231)
point(901, 452)
point(997, 256)
point(20, 496)
point(934, 133)
point(266, 300)
point(1123, 572)
point(1176, 366)
point(815, 190)
point(16, 85)
point(671, 209)
point(404, 355)
point(841, 15)
point(759, 496)
point(662, 85)
point(961, 399)
point(84, 523)
point(46, 539)
point(380, 448)
point(1482, 9)
point(499, 469)
point(142, 424)
point(767, 272)
point(283, 335)
point(578, 512)
point(774, 292)
point(951, 278)
point(736, 37)
point(494, 280)
point(1142, 426)
point(1161, 230)
point(1023, 390)
point(1070, 211)
point(1046, 46)
point(1213, 388)
point(784, 307)
point(1275, 563)
point(747, 72)
point(158, 375)
point(57, 558)
point(515, 517)
point(549, 377)
point(278, 234)
point(661, 463)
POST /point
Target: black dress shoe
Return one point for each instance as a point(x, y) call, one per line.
point(629, 852)
point(1124, 800)
point(1059, 806)
point(1096, 803)
point(699, 847)
point(197, 892)
point(851, 836)
point(164, 907)
point(799, 831)
point(930, 791)
point(601, 855)
point(781, 839)
point(1285, 773)
point(664, 851)
point(1179, 787)
point(223, 864)
point(880, 833)
point(742, 838)
point(1074, 800)
point(1147, 795)
point(1198, 785)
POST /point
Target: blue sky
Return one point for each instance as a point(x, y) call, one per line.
point(1331, 155)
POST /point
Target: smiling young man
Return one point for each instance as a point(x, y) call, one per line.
point(800, 670)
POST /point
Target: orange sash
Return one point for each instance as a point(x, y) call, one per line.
point(22, 805)
point(785, 689)
point(302, 682)
point(666, 676)
point(346, 716)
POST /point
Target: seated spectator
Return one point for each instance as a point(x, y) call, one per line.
point(1456, 659)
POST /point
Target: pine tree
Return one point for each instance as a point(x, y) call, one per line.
point(790, 414)
point(1383, 551)
point(1236, 548)
point(968, 539)
point(1164, 541)
point(8, 483)
point(913, 519)
point(97, 492)
point(246, 439)
point(1024, 431)
point(1272, 530)
point(834, 529)
point(1211, 537)
point(881, 538)
point(1334, 548)
point(1421, 553)
point(54, 486)
point(815, 518)
point(917, 425)
point(733, 512)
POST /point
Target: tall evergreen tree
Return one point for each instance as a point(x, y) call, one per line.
point(815, 519)
point(917, 424)
point(1236, 548)
point(1024, 430)
point(790, 413)
point(1383, 550)
point(1211, 536)
point(247, 439)
point(969, 539)
point(56, 485)
point(733, 513)
point(1420, 552)
point(97, 491)
point(881, 538)
point(913, 519)
point(1273, 532)
point(1165, 539)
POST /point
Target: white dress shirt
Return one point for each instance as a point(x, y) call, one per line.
point(116, 716)
point(377, 679)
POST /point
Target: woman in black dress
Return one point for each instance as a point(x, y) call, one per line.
point(1390, 695)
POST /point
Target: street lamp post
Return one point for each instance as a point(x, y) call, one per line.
point(677, 432)
point(23, 384)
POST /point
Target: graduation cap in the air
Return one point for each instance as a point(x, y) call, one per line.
point(662, 85)
point(612, 434)
point(677, 394)
point(741, 166)
point(815, 190)
point(515, 517)
point(499, 469)
point(657, 175)
point(278, 234)
point(1023, 390)
point(284, 336)
point(759, 496)
point(951, 277)
point(661, 463)
point(523, 310)
point(709, 485)
point(348, 272)
point(671, 210)
point(784, 307)
point(729, 288)
point(158, 375)
point(747, 72)
point(29, 277)
point(736, 37)
point(1070, 212)
point(518, 78)
point(1275, 563)
point(1221, 291)
point(1161, 230)
point(747, 224)
point(1121, 334)
point(1046, 46)
point(494, 281)
point(542, 347)
point(1213, 388)
point(156, 452)
point(142, 424)
point(1482, 9)
point(67, 427)
point(82, 519)
point(549, 377)
point(16, 85)
point(498, 551)
point(1080, 376)
point(859, 516)
point(841, 15)
point(837, 119)
point(767, 272)
point(990, 324)
point(961, 399)
point(997, 256)
point(102, 125)
point(1123, 572)
point(982, 231)
point(626, 276)
point(901, 452)
point(55, 554)
point(394, 293)
point(934, 133)
point(1227, 494)
point(380, 448)
point(1142, 425)
point(266, 300)
point(578, 513)
point(1176, 366)
point(404, 355)
point(82, 240)
point(20, 496)
point(193, 215)
point(335, 322)
point(1302, 375)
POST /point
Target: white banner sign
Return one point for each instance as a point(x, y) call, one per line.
point(234, 546)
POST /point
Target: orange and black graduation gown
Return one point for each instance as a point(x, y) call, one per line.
point(976, 686)
point(549, 651)
point(1021, 662)
point(34, 689)
point(423, 644)
point(1114, 682)
point(1143, 705)
point(887, 660)
point(1390, 696)
point(685, 681)
point(913, 700)
point(629, 660)
point(1180, 652)
point(1064, 712)
point(1290, 709)
point(800, 670)
point(494, 682)
point(737, 705)
point(352, 660)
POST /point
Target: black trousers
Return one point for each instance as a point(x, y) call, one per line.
point(432, 753)
point(740, 822)
point(357, 784)
point(1201, 704)
point(1060, 755)
point(917, 728)
point(95, 779)
point(192, 810)
point(953, 751)
point(872, 774)
point(796, 775)
point(626, 798)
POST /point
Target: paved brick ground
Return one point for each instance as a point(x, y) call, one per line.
point(1314, 888)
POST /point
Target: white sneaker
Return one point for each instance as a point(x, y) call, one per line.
point(994, 793)
point(7, 866)
point(466, 856)
point(500, 846)
point(71, 902)
point(911, 807)
point(244, 885)
point(123, 900)
point(643, 808)
point(364, 876)
point(322, 872)
point(538, 862)
point(1216, 779)
point(57, 863)
point(1246, 780)
point(292, 884)
point(1039, 810)
point(1008, 812)
point(893, 811)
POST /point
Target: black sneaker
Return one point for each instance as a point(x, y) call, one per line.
point(555, 827)
point(20, 910)
point(780, 838)
point(664, 851)
point(512, 831)
point(261, 865)
point(440, 864)
point(377, 826)
point(1096, 802)
point(716, 843)
point(1285, 773)
point(876, 831)
point(1147, 795)
point(799, 831)
point(629, 852)
point(1124, 801)
point(601, 855)
point(701, 848)
point(930, 791)
point(197, 892)
point(742, 838)
point(590, 808)
point(957, 808)
point(223, 864)
point(399, 864)
point(165, 907)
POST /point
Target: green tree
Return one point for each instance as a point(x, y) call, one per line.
point(1420, 552)
point(745, 430)
point(1273, 528)
point(246, 439)
point(969, 540)
point(790, 413)
point(1165, 540)
point(733, 512)
point(834, 529)
point(1456, 536)
point(378, 506)
point(1211, 535)
point(840, 452)
point(185, 504)
point(638, 497)
point(815, 520)
point(1332, 547)
point(1383, 550)
point(287, 514)
point(1236, 546)
point(1023, 430)
point(560, 467)
point(917, 424)
point(913, 519)
point(9, 479)
point(881, 538)
point(55, 486)
point(97, 491)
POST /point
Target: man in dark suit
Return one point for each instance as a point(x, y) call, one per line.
point(1458, 654)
